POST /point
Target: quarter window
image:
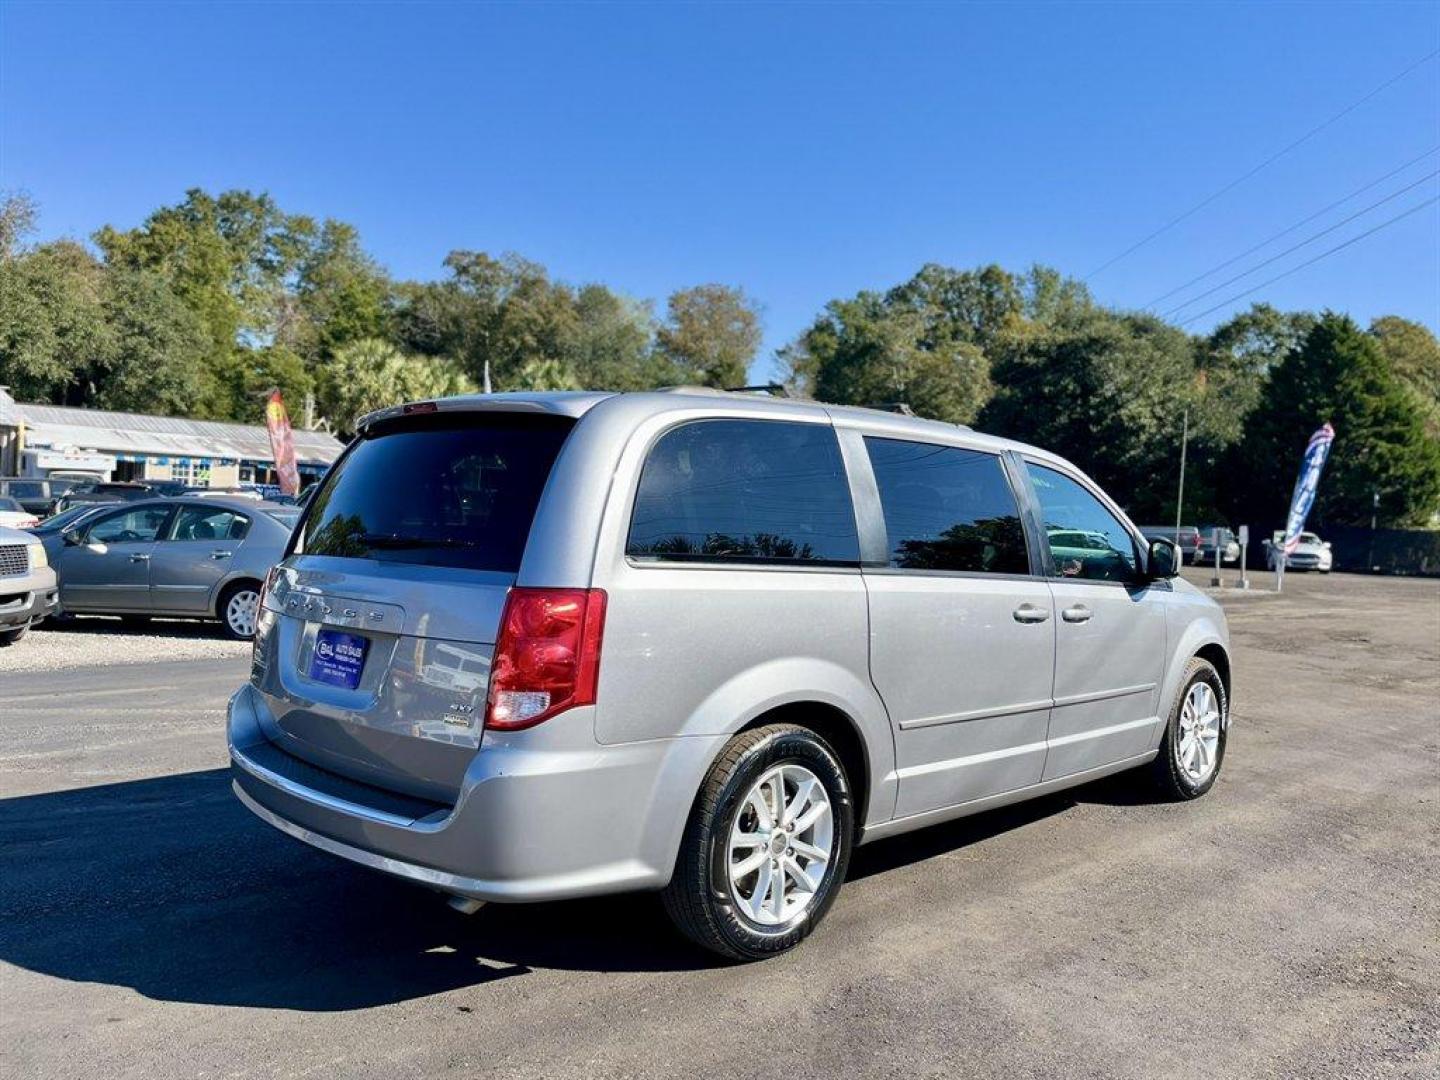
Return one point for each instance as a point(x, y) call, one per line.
point(756, 491)
point(1086, 540)
point(947, 508)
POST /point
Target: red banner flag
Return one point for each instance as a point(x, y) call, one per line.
point(282, 444)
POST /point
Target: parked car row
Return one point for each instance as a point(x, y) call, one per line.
point(200, 555)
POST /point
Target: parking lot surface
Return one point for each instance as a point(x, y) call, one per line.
point(1287, 925)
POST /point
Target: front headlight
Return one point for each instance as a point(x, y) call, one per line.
point(38, 558)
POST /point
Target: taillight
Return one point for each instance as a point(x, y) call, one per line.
point(547, 655)
point(271, 576)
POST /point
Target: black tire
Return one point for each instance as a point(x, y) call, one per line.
point(698, 898)
point(14, 634)
point(1166, 771)
point(223, 604)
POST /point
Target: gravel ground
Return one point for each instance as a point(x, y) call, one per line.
point(1287, 925)
point(90, 642)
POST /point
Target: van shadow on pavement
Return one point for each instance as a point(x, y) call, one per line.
point(171, 887)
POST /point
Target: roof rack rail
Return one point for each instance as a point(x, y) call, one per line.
point(893, 406)
point(774, 389)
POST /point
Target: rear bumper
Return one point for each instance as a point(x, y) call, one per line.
point(544, 814)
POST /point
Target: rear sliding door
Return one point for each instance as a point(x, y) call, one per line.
point(962, 636)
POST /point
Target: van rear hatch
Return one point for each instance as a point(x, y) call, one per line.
point(374, 650)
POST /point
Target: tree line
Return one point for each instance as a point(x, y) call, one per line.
point(210, 303)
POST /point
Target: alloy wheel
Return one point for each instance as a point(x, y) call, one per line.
point(1198, 747)
point(781, 842)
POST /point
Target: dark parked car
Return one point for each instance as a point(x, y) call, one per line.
point(106, 492)
point(36, 494)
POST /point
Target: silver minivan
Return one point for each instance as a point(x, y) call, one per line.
point(528, 646)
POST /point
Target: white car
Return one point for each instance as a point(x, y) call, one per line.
point(15, 516)
point(1311, 553)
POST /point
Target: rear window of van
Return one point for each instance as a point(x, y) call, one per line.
point(456, 489)
point(745, 491)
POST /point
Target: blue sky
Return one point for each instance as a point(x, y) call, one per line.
point(803, 152)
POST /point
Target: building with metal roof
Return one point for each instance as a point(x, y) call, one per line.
point(36, 440)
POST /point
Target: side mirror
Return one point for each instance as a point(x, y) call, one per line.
point(1162, 559)
point(71, 537)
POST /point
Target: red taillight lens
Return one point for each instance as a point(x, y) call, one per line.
point(547, 655)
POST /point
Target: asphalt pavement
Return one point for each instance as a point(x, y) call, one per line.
point(1287, 925)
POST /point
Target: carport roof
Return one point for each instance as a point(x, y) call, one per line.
point(136, 433)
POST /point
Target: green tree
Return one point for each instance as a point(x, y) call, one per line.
point(543, 374)
point(1414, 358)
point(1109, 392)
point(18, 215)
point(370, 374)
point(340, 295)
point(710, 335)
point(154, 343)
point(1339, 374)
point(55, 342)
point(866, 351)
point(613, 347)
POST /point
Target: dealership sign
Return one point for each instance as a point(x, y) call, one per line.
point(282, 444)
point(1306, 484)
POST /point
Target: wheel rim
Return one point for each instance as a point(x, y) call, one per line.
point(781, 842)
point(1198, 748)
point(240, 612)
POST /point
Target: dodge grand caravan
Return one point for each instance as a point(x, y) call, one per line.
point(532, 646)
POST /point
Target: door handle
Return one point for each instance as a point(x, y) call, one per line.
point(220, 554)
point(1029, 613)
point(139, 558)
point(1077, 613)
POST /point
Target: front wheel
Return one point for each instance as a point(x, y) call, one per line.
point(766, 846)
point(11, 636)
point(1194, 744)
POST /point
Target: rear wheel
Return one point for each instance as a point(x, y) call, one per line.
point(766, 846)
point(1194, 744)
point(238, 607)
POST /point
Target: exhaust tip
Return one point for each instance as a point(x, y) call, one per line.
point(465, 905)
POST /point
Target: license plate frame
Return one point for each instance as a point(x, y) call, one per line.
point(338, 658)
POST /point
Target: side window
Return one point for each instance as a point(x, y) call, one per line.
point(947, 508)
point(1086, 540)
point(758, 491)
point(140, 525)
point(210, 523)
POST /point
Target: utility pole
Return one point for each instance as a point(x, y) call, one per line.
point(1180, 495)
point(487, 375)
point(309, 412)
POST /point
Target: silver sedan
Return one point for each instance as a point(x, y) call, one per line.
point(203, 558)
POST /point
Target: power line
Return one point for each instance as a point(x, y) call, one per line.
point(1296, 247)
point(1288, 230)
point(1311, 261)
point(1258, 168)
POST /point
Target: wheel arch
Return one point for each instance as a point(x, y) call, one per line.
point(226, 586)
point(1216, 654)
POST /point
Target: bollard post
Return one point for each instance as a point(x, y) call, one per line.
point(1244, 541)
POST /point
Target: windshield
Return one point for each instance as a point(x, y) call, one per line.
point(7, 503)
point(454, 489)
point(1309, 538)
